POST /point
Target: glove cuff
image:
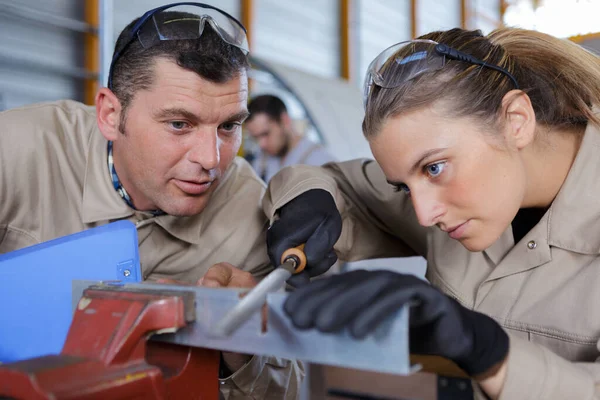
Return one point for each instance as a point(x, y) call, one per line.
point(490, 346)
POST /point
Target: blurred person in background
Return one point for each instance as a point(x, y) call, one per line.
point(158, 149)
point(270, 125)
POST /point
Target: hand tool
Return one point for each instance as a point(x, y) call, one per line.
point(293, 261)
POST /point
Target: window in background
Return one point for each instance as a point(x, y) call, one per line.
point(562, 18)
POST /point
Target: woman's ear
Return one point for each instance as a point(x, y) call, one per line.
point(108, 114)
point(520, 122)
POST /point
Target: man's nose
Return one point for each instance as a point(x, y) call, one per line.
point(205, 150)
point(263, 142)
point(428, 208)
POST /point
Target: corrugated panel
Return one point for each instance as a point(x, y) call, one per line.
point(379, 24)
point(433, 15)
point(301, 34)
point(486, 15)
point(40, 61)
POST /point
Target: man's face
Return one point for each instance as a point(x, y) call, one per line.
point(179, 138)
point(268, 133)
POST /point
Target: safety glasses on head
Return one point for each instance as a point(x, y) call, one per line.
point(410, 59)
point(155, 26)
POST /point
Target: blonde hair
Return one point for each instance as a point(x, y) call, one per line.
point(561, 78)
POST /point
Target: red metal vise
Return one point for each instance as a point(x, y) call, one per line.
point(107, 354)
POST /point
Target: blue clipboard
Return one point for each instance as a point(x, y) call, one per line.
point(36, 284)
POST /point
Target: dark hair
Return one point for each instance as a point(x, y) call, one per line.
point(271, 105)
point(561, 78)
point(209, 56)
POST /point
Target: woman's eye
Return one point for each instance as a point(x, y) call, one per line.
point(435, 169)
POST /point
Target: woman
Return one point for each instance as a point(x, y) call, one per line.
point(487, 165)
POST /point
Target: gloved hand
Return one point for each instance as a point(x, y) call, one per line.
point(361, 300)
point(311, 218)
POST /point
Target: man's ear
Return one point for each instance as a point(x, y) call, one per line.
point(286, 121)
point(520, 122)
point(108, 114)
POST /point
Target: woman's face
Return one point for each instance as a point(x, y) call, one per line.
point(460, 177)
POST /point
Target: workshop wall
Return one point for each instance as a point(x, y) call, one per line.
point(43, 51)
point(433, 15)
point(377, 25)
point(300, 34)
point(41, 54)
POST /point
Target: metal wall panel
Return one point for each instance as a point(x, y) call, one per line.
point(40, 60)
point(300, 34)
point(485, 15)
point(433, 15)
point(378, 24)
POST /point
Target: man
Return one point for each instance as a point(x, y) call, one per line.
point(159, 150)
point(280, 145)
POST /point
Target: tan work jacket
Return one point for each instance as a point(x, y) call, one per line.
point(54, 181)
point(544, 290)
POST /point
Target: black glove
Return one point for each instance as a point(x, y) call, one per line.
point(360, 300)
point(311, 218)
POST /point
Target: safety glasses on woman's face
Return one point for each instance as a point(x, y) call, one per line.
point(407, 60)
point(189, 18)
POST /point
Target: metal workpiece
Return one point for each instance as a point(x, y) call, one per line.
point(252, 302)
point(386, 350)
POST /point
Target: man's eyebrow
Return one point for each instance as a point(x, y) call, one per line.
point(424, 156)
point(240, 116)
point(176, 113)
point(183, 113)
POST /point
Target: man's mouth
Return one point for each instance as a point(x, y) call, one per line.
point(193, 187)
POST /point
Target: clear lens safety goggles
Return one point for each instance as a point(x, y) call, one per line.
point(154, 27)
point(410, 59)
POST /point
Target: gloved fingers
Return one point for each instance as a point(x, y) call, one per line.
point(428, 305)
point(299, 280)
point(313, 201)
point(386, 305)
point(358, 294)
point(321, 241)
point(323, 266)
point(285, 234)
point(303, 278)
point(302, 304)
point(421, 340)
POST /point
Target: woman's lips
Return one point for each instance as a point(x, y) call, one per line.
point(458, 231)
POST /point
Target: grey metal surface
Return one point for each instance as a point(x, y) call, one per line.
point(385, 351)
point(34, 14)
point(252, 302)
point(41, 51)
